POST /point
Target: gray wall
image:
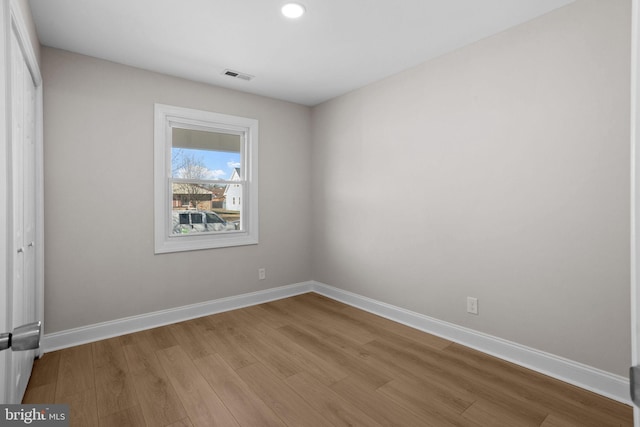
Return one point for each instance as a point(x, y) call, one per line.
point(499, 171)
point(100, 262)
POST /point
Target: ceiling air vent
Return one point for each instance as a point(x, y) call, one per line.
point(237, 75)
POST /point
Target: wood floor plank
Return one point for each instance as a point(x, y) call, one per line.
point(198, 398)
point(140, 351)
point(45, 369)
point(130, 417)
point(83, 411)
point(75, 372)
point(263, 349)
point(285, 402)
point(336, 355)
point(433, 365)
point(555, 420)
point(425, 399)
point(307, 361)
point(40, 394)
point(115, 395)
point(185, 422)
point(446, 392)
point(385, 411)
point(431, 412)
point(162, 337)
point(108, 360)
point(325, 401)
point(443, 386)
point(191, 338)
point(247, 408)
point(308, 311)
point(490, 414)
point(157, 398)
point(225, 338)
point(269, 315)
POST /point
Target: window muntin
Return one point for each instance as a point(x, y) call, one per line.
point(204, 162)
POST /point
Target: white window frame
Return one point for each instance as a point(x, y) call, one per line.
point(167, 117)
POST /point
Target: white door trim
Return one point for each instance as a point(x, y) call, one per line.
point(635, 191)
point(4, 188)
point(39, 154)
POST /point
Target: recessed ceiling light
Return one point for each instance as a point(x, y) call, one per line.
point(293, 10)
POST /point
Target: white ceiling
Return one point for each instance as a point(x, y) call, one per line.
point(336, 47)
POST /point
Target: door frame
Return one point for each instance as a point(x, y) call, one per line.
point(12, 20)
point(5, 319)
point(635, 192)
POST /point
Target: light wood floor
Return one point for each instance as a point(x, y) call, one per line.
point(303, 361)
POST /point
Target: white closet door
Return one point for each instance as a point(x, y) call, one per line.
point(22, 146)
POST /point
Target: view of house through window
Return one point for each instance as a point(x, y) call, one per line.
point(205, 181)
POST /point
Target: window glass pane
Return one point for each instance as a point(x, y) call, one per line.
point(213, 218)
point(200, 208)
point(204, 155)
point(232, 209)
point(200, 223)
point(202, 197)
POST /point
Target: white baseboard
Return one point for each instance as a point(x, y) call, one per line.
point(127, 325)
point(604, 383)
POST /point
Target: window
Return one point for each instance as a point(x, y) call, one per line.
point(203, 163)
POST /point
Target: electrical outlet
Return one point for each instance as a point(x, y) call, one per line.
point(472, 305)
point(262, 273)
